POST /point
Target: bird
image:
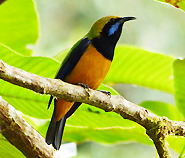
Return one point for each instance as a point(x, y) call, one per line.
point(87, 63)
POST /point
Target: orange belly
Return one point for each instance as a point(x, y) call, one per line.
point(90, 70)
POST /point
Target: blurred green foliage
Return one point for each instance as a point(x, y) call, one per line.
point(61, 24)
point(18, 25)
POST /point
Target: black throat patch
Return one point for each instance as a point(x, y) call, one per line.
point(105, 44)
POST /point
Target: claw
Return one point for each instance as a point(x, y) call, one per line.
point(83, 85)
point(106, 92)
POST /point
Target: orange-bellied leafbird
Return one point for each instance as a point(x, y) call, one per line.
point(87, 62)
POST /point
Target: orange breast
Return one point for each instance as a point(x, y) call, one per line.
point(91, 69)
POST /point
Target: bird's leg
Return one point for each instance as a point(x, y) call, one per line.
point(105, 92)
point(82, 85)
point(86, 87)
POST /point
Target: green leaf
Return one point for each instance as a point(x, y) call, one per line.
point(91, 123)
point(61, 55)
point(41, 125)
point(18, 25)
point(137, 66)
point(179, 84)
point(7, 150)
point(176, 143)
point(176, 3)
point(24, 100)
point(163, 109)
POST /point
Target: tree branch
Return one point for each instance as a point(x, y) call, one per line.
point(156, 127)
point(20, 134)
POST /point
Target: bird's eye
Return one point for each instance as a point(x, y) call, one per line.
point(112, 20)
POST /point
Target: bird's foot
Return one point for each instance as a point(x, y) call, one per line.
point(105, 92)
point(85, 86)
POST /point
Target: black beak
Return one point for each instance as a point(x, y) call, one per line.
point(122, 20)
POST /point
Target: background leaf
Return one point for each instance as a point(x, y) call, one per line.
point(176, 143)
point(176, 3)
point(18, 25)
point(7, 150)
point(24, 100)
point(163, 109)
point(141, 67)
point(90, 123)
point(179, 84)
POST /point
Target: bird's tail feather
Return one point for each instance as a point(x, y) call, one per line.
point(55, 131)
point(56, 128)
point(51, 129)
point(59, 133)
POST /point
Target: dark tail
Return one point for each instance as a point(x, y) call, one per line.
point(56, 128)
point(55, 131)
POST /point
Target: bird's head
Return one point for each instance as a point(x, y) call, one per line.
point(105, 33)
point(108, 26)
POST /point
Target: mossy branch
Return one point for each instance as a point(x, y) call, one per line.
point(157, 128)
